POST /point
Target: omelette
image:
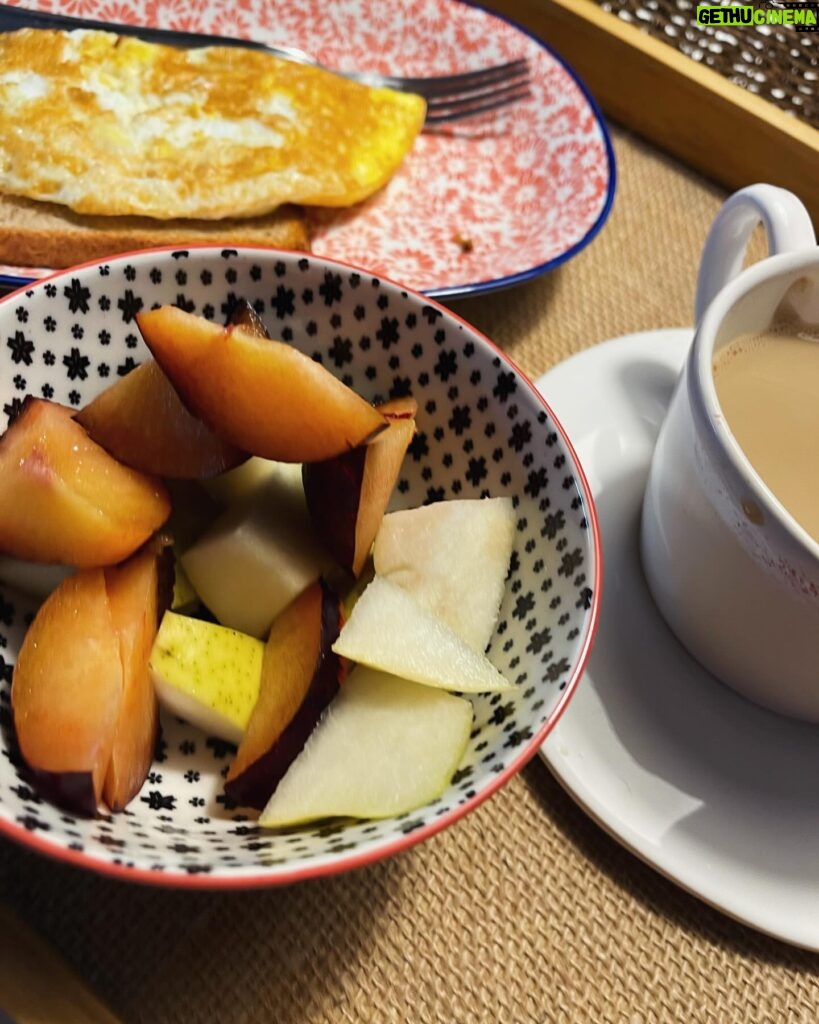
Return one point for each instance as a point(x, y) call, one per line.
point(111, 125)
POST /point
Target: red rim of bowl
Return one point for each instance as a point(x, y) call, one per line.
point(341, 863)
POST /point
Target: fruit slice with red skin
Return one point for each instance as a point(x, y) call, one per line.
point(264, 396)
point(67, 692)
point(65, 499)
point(300, 676)
point(141, 421)
point(348, 494)
point(138, 593)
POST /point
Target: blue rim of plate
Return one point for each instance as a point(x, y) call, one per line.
point(483, 287)
point(10, 282)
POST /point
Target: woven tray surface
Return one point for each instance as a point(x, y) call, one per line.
point(776, 62)
point(525, 911)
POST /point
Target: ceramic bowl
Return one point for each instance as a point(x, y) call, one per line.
point(482, 430)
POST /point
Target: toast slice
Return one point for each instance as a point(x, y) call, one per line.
point(38, 234)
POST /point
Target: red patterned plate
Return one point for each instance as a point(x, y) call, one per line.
point(483, 205)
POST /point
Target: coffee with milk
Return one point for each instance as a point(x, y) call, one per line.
point(767, 384)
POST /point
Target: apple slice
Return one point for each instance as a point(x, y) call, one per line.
point(348, 494)
point(184, 600)
point(67, 691)
point(65, 499)
point(243, 482)
point(300, 676)
point(193, 510)
point(263, 396)
point(138, 591)
point(385, 746)
point(453, 557)
point(207, 674)
point(389, 630)
point(141, 421)
point(258, 555)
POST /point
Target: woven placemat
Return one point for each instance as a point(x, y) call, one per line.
point(525, 911)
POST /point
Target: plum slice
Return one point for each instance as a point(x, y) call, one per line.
point(138, 591)
point(348, 495)
point(84, 706)
point(300, 677)
point(65, 499)
point(262, 395)
point(141, 421)
point(67, 692)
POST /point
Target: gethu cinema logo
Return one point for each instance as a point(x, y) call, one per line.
point(802, 15)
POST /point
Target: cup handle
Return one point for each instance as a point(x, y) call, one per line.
point(787, 225)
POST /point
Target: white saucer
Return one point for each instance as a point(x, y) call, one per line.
point(715, 793)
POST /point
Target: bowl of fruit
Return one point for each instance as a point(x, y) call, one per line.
point(296, 567)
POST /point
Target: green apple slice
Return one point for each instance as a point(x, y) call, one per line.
point(453, 557)
point(185, 599)
point(207, 674)
point(385, 746)
point(389, 630)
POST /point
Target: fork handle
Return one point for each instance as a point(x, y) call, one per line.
point(13, 18)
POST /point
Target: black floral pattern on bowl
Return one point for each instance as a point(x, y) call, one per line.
point(482, 430)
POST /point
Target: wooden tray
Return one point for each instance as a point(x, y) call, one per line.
point(37, 986)
point(687, 109)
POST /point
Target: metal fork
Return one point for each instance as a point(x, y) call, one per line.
point(449, 97)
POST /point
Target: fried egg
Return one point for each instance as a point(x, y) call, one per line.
point(111, 125)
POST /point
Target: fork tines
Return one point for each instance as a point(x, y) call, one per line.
point(455, 97)
point(441, 111)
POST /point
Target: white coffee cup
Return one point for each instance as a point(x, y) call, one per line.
point(732, 572)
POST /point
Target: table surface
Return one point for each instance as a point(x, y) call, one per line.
point(525, 910)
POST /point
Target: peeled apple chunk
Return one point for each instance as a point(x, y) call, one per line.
point(453, 557)
point(258, 555)
point(385, 746)
point(207, 674)
point(241, 483)
point(389, 630)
